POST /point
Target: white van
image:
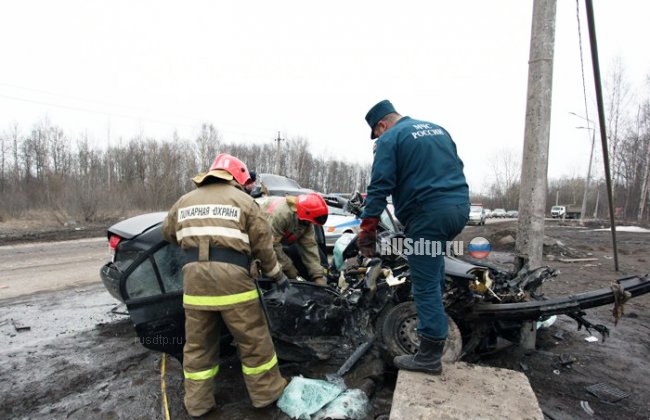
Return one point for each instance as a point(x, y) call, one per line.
point(476, 215)
point(558, 211)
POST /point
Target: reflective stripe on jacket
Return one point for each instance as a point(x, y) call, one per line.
point(220, 214)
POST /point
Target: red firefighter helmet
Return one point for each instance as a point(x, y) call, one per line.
point(312, 208)
point(226, 167)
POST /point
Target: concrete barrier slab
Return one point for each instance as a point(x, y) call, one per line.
point(464, 391)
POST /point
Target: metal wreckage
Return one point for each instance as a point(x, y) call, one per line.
point(375, 305)
point(367, 304)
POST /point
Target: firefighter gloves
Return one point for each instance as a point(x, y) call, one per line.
point(367, 238)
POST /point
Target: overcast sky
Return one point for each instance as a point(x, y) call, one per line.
point(310, 69)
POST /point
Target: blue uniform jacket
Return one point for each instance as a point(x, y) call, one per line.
point(416, 162)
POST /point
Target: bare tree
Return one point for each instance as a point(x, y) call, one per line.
point(14, 133)
point(207, 144)
point(3, 150)
point(645, 179)
point(506, 167)
point(618, 98)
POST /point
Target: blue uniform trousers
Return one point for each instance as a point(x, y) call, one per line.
point(428, 271)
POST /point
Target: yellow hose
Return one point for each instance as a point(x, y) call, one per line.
point(163, 387)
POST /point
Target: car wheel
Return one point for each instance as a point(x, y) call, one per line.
point(397, 332)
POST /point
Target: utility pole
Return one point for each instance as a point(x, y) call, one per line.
point(601, 121)
point(278, 154)
point(534, 168)
point(583, 210)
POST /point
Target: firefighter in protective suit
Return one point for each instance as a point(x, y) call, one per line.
point(292, 220)
point(221, 230)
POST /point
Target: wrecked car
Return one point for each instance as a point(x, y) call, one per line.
point(368, 300)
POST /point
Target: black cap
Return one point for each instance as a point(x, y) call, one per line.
point(376, 113)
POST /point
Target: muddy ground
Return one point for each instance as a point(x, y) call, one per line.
point(620, 361)
point(17, 231)
point(81, 358)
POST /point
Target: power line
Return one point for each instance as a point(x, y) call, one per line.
point(76, 98)
point(92, 111)
point(173, 124)
point(582, 63)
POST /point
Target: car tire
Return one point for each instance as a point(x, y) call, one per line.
point(397, 334)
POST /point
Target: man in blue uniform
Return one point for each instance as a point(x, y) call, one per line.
point(416, 162)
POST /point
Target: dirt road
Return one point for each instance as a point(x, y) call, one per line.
point(41, 266)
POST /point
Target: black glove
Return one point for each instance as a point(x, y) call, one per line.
point(282, 283)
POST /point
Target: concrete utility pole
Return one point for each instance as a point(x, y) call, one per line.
point(534, 167)
point(278, 154)
point(583, 210)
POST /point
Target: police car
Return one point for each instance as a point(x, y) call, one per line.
point(339, 220)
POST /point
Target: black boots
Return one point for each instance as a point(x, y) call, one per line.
point(426, 360)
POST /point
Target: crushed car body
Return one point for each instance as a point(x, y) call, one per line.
point(366, 300)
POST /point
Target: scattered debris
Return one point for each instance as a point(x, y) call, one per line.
point(351, 404)
point(547, 322)
point(556, 371)
point(606, 392)
point(358, 353)
point(585, 406)
point(620, 297)
point(567, 360)
point(579, 317)
point(19, 326)
point(573, 260)
point(559, 335)
point(591, 339)
point(303, 397)
point(119, 309)
point(524, 367)
point(507, 240)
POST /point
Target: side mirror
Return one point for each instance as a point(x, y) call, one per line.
point(355, 204)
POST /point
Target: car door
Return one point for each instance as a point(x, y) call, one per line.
point(152, 288)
